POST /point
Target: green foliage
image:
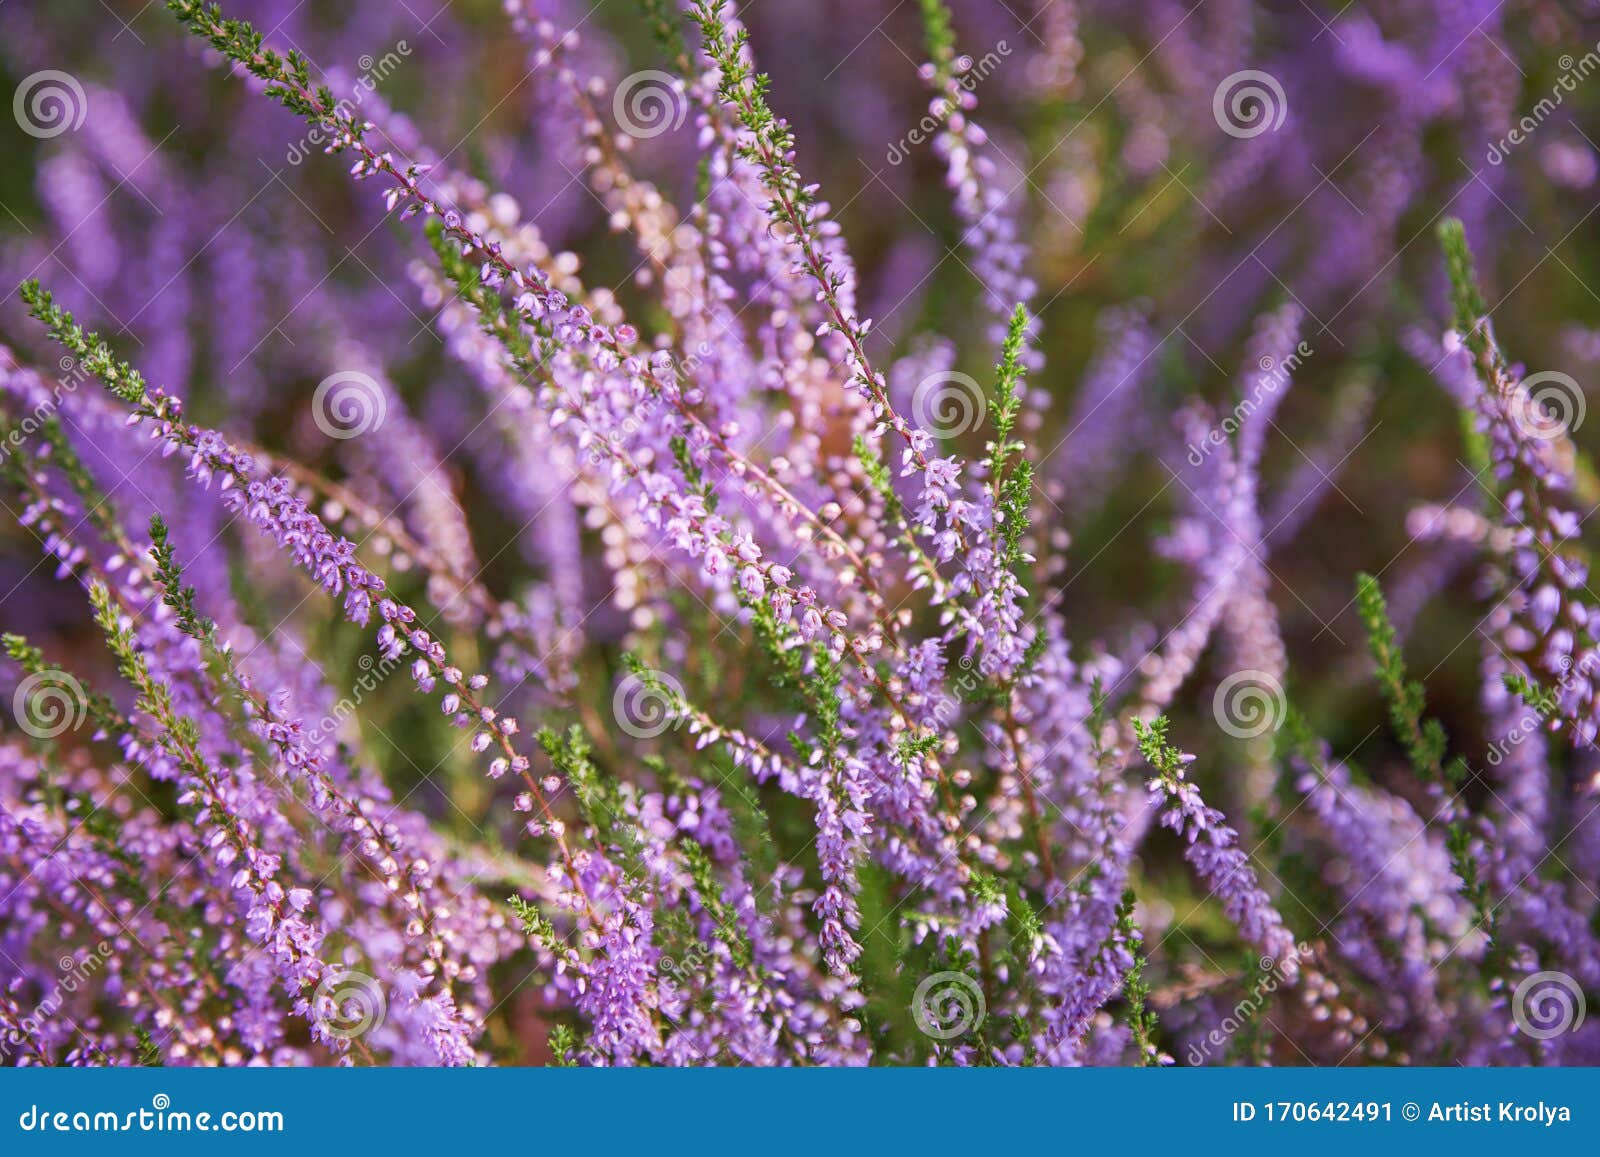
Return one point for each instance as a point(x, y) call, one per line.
point(1027, 928)
point(941, 37)
point(1294, 735)
point(723, 915)
point(1424, 741)
point(1167, 760)
point(746, 91)
point(1135, 989)
point(564, 1045)
point(664, 19)
point(179, 734)
point(1422, 737)
point(877, 472)
point(1465, 295)
point(600, 798)
point(288, 76)
point(1476, 446)
point(1011, 471)
point(94, 355)
point(170, 578)
point(910, 748)
point(693, 475)
point(1543, 701)
point(149, 1054)
point(536, 927)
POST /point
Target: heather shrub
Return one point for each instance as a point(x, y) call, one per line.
point(1042, 537)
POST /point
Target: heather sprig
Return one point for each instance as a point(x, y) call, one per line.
point(984, 207)
point(770, 147)
point(1532, 463)
point(1212, 845)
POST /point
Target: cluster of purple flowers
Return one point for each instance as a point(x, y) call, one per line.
point(445, 657)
